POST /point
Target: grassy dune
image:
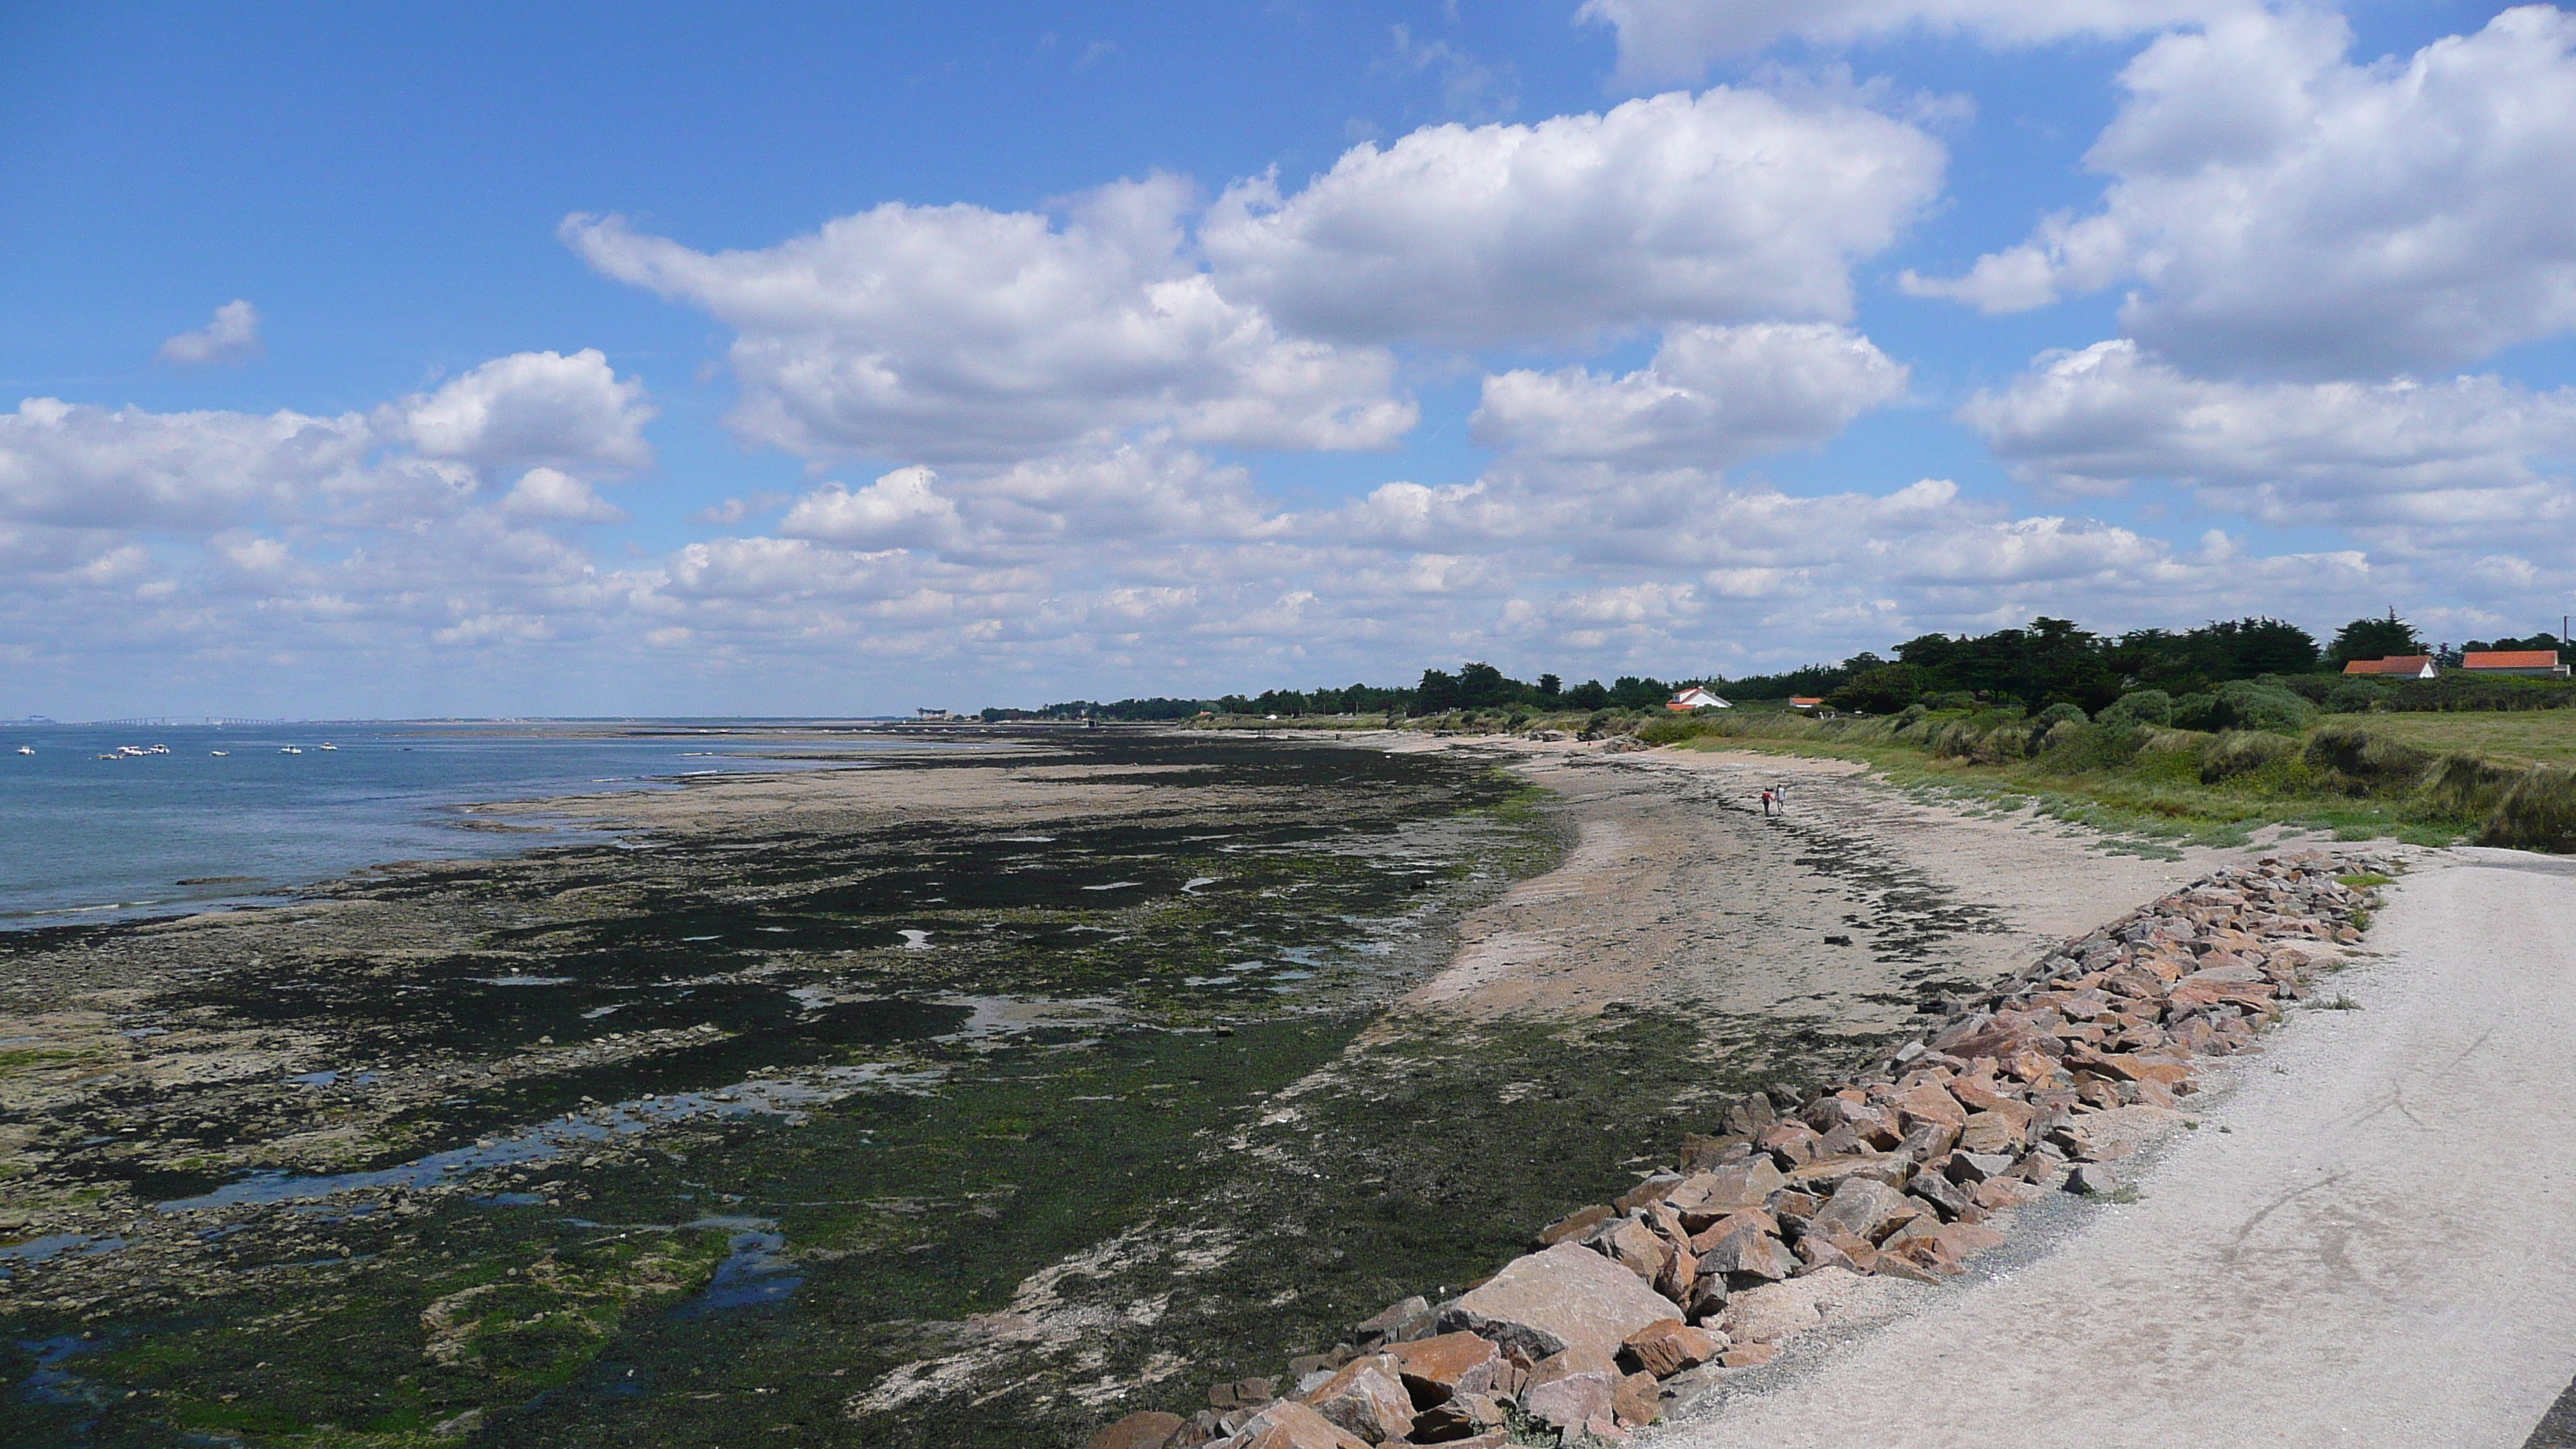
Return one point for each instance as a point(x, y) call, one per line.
point(2432, 778)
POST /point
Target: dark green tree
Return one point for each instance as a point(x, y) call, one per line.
point(1437, 693)
point(2373, 639)
point(1587, 695)
point(1549, 688)
point(1482, 686)
point(1884, 690)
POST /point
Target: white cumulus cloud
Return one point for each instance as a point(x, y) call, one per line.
point(1711, 397)
point(233, 336)
point(544, 493)
point(953, 332)
point(534, 408)
point(2281, 208)
point(1732, 205)
point(2465, 453)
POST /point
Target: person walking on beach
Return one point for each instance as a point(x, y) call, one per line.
point(1767, 794)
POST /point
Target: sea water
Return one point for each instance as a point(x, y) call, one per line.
point(229, 815)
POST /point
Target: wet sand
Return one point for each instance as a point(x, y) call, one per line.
point(1855, 903)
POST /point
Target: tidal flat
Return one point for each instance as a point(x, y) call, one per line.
point(963, 1097)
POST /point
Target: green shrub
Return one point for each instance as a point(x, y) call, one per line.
point(2538, 812)
point(2465, 786)
point(2354, 696)
point(1910, 716)
point(2139, 706)
point(2074, 749)
point(2060, 713)
point(2354, 761)
point(2243, 752)
point(2254, 704)
point(2196, 712)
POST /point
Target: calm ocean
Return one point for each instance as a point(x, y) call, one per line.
point(87, 839)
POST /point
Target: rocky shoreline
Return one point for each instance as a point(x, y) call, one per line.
point(1907, 1172)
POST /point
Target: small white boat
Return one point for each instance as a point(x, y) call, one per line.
point(111, 757)
point(219, 754)
point(132, 752)
point(326, 744)
point(26, 749)
point(292, 750)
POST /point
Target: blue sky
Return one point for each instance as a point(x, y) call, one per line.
point(650, 359)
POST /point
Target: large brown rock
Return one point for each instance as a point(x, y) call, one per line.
point(1367, 1398)
point(1865, 1209)
point(1291, 1425)
point(1564, 1297)
point(1632, 1245)
point(1747, 1257)
point(1436, 1369)
point(1749, 1220)
point(1932, 1104)
point(1574, 1224)
point(1635, 1401)
point(1706, 1196)
point(1460, 1421)
point(1826, 1175)
point(1405, 1319)
point(1569, 1388)
point(1665, 1349)
point(1143, 1430)
point(2000, 1130)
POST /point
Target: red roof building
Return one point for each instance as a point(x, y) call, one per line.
point(2542, 662)
point(2402, 666)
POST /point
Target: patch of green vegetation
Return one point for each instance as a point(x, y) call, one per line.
point(2363, 880)
point(2146, 783)
point(2340, 1003)
point(21, 1058)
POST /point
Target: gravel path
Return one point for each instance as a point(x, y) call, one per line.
point(2370, 1240)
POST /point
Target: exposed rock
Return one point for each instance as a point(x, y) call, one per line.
point(1563, 1297)
point(1368, 1399)
point(2090, 1179)
point(1706, 1196)
point(1655, 1188)
point(1665, 1349)
point(1636, 1402)
point(1971, 1168)
point(1434, 1370)
point(1632, 1245)
point(1574, 1224)
point(1748, 1220)
point(1461, 1420)
point(1408, 1319)
point(1569, 1388)
point(1292, 1425)
point(1748, 1257)
point(1865, 1209)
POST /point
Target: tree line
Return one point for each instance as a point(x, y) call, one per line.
point(2050, 661)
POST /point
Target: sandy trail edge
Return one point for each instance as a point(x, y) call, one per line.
point(2377, 1251)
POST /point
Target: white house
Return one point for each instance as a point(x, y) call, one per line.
point(1695, 698)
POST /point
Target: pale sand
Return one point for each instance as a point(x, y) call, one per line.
point(2377, 1251)
point(1678, 889)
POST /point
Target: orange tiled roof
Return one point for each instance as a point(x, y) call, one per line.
point(2396, 664)
point(1805, 701)
point(2511, 659)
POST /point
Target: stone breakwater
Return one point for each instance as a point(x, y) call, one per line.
point(2070, 1064)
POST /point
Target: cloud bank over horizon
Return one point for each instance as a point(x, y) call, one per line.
point(1635, 360)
